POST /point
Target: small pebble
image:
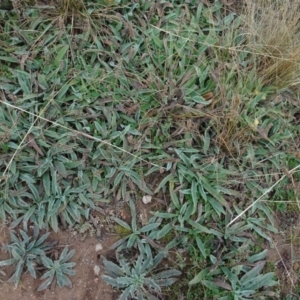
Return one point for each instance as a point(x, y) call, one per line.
point(96, 270)
point(147, 199)
point(98, 247)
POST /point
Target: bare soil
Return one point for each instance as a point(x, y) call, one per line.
point(86, 285)
point(284, 254)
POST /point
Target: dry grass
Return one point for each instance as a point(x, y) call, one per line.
point(257, 55)
point(273, 38)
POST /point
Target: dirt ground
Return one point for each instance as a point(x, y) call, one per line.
point(284, 253)
point(86, 286)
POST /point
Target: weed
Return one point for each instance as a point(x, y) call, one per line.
point(31, 252)
point(58, 270)
point(27, 252)
point(122, 231)
point(270, 267)
point(139, 279)
point(243, 281)
point(190, 102)
point(86, 229)
point(134, 235)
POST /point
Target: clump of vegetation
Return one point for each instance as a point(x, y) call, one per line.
point(272, 33)
point(139, 279)
point(26, 252)
point(31, 252)
point(192, 103)
point(58, 270)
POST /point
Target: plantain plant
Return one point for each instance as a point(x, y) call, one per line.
point(134, 234)
point(26, 252)
point(58, 270)
point(138, 279)
point(30, 252)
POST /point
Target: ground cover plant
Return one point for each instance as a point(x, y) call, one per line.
point(192, 104)
point(32, 251)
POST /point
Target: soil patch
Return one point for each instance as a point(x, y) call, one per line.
point(86, 285)
point(284, 256)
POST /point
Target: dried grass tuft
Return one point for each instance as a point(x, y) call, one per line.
point(273, 38)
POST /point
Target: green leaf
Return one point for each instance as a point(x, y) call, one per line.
point(65, 256)
point(115, 269)
point(63, 280)
point(10, 59)
point(34, 191)
point(8, 262)
point(201, 246)
point(165, 215)
point(46, 283)
point(42, 239)
point(198, 227)
point(211, 190)
point(166, 274)
point(29, 213)
point(265, 280)
point(122, 223)
point(133, 215)
point(112, 281)
point(163, 182)
point(142, 185)
point(194, 196)
point(118, 178)
point(250, 275)
point(67, 268)
point(54, 223)
point(210, 284)
point(47, 262)
point(164, 231)
point(149, 227)
point(60, 167)
point(183, 157)
point(31, 268)
point(118, 243)
point(18, 272)
point(165, 282)
point(132, 239)
point(260, 232)
point(24, 80)
point(174, 199)
point(258, 256)
point(73, 165)
point(188, 212)
point(63, 91)
point(200, 276)
point(216, 206)
point(61, 53)
point(124, 281)
point(47, 184)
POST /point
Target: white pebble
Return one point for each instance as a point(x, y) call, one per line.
point(96, 270)
point(98, 247)
point(147, 199)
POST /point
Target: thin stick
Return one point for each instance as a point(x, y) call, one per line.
point(73, 130)
point(265, 193)
point(25, 136)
